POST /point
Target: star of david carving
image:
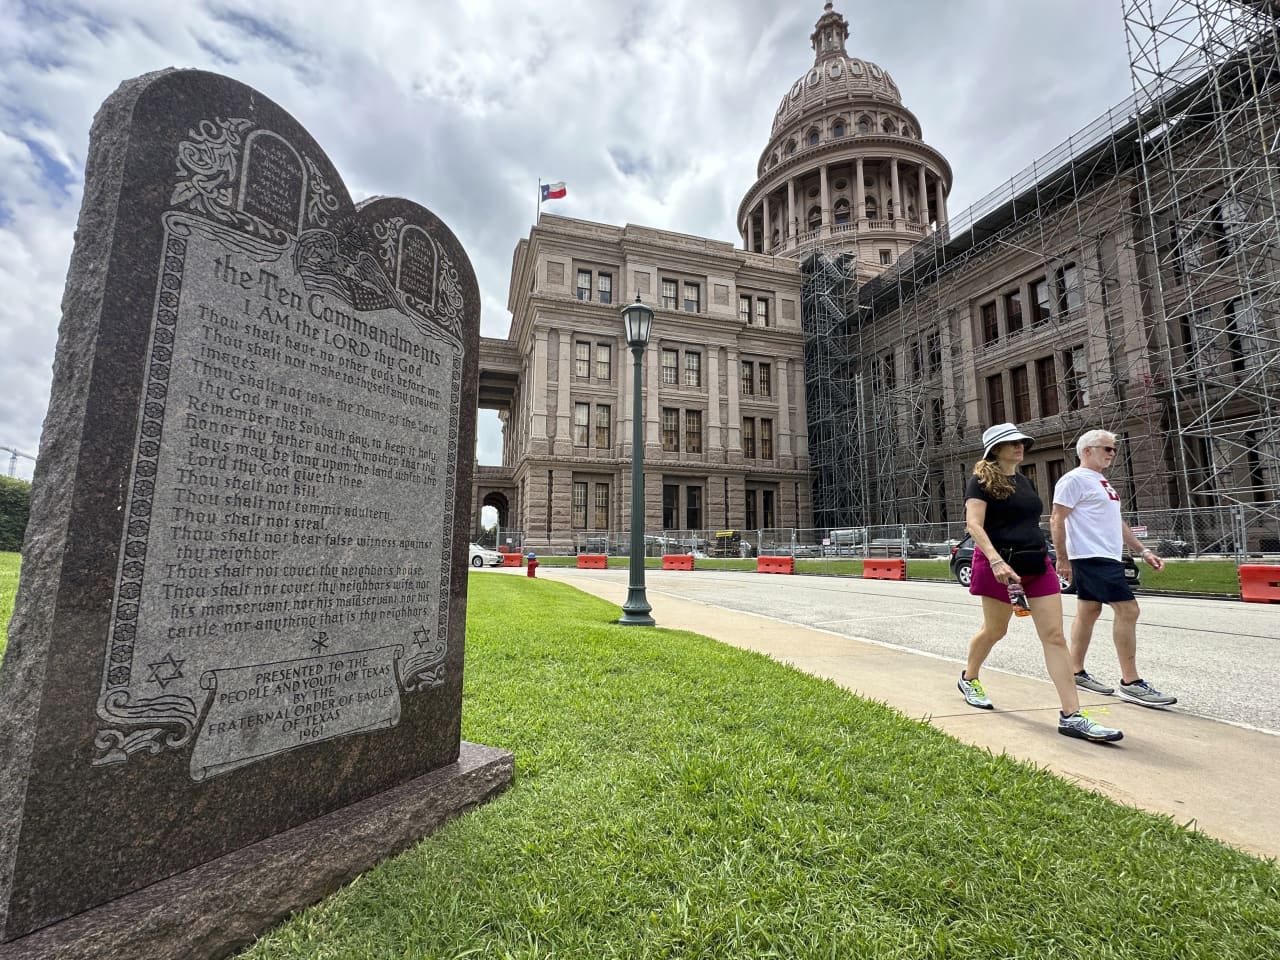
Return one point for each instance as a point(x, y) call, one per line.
point(165, 671)
point(421, 637)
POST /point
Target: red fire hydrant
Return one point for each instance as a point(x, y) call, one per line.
point(532, 565)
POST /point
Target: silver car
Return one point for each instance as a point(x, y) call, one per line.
point(483, 556)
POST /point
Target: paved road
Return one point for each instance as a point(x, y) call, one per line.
point(1220, 658)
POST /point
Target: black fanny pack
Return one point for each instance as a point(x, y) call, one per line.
point(1027, 563)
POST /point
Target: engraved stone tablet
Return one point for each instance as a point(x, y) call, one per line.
point(243, 596)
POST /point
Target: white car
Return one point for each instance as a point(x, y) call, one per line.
point(480, 556)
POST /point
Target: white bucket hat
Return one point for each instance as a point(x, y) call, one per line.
point(1003, 433)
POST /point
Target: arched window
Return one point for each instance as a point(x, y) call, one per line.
point(837, 129)
point(888, 209)
point(908, 132)
point(873, 209)
point(814, 218)
point(864, 124)
point(911, 213)
point(791, 147)
point(889, 126)
point(841, 211)
point(811, 138)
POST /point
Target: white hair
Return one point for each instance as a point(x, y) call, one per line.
point(1094, 438)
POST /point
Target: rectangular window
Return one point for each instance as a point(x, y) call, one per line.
point(1075, 374)
point(604, 283)
point(1055, 468)
point(692, 369)
point(752, 519)
point(669, 294)
point(766, 379)
point(1021, 394)
point(744, 309)
point(749, 437)
point(890, 371)
point(581, 360)
point(1029, 471)
point(935, 351)
point(766, 509)
point(748, 378)
point(604, 361)
point(1047, 377)
point(1197, 338)
point(917, 359)
point(581, 422)
point(990, 324)
point(693, 508)
point(692, 297)
point(886, 256)
point(584, 284)
point(670, 367)
point(670, 505)
point(670, 429)
point(935, 410)
point(1013, 311)
point(602, 506)
point(766, 440)
point(995, 399)
point(604, 424)
point(579, 505)
point(1039, 302)
point(1069, 297)
point(762, 312)
point(693, 431)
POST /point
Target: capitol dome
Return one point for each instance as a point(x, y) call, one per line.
point(845, 166)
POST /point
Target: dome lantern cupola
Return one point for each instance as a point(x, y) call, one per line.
point(829, 35)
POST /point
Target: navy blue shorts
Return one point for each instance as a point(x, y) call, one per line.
point(1100, 579)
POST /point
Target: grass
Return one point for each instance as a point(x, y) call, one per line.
point(9, 563)
point(678, 798)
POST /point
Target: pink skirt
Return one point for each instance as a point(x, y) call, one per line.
point(983, 583)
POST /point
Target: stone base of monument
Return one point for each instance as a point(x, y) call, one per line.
point(222, 906)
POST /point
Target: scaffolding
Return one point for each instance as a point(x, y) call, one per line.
point(900, 371)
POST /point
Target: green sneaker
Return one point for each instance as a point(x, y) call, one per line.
point(974, 695)
point(1080, 726)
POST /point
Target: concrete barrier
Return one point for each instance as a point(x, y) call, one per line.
point(512, 559)
point(1259, 583)
point(884, 569)
point(775, 564)
point(593, 561)
point(677, 561)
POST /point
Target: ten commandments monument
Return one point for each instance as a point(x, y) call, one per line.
point(239, 630)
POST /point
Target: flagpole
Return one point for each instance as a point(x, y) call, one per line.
point(538, 217)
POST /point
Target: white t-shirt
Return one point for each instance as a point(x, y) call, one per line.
point(1093, 525)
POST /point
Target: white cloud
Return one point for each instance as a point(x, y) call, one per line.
point(653, 111)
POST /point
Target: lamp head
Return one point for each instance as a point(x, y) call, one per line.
point(637, 322)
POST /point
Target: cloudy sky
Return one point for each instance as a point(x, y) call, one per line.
point(653, 111)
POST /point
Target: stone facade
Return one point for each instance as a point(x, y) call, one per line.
point(724, 411)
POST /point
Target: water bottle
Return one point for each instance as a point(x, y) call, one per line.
point(1018, 599)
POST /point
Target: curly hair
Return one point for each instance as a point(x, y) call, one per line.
point(991, 480)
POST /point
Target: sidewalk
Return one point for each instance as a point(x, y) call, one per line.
point(1215, 777)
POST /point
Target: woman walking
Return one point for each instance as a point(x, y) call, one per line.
point(1002, 514)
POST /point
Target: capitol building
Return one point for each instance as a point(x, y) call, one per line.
point(836, 365)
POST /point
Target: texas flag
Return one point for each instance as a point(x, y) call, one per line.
point(553, 191)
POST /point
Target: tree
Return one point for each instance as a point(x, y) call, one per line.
point(15, 508)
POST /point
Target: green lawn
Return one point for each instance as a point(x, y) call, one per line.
point(9, 563)
point(676, 797)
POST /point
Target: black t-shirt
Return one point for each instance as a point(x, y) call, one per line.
point(1014, 521)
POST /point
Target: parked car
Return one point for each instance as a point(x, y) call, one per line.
point(962, 560)
point(483, 556)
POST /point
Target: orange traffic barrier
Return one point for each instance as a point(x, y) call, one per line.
point(593, 561)
point(1260, 583)
point(677, 561)
point(884, 569)
point(775, 564)
point(512, 559)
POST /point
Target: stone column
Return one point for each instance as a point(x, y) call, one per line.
point(783, 434)
point(791, 213)
point(623, 366)
point(537, 390)
point(825, 229)
point(896, 189)
point(732, 386)
point(652, 403)
point(766, 242)
point(751, 230)
point(564, 415)
point(941, 201)
point(922, 199)
point(713, 445)
point(860, 193)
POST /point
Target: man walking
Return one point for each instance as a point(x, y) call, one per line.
point(1088, 537)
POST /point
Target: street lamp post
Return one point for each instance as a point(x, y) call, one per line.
point(637, 321)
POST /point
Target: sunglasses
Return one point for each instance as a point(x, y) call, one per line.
point(1107, 449)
